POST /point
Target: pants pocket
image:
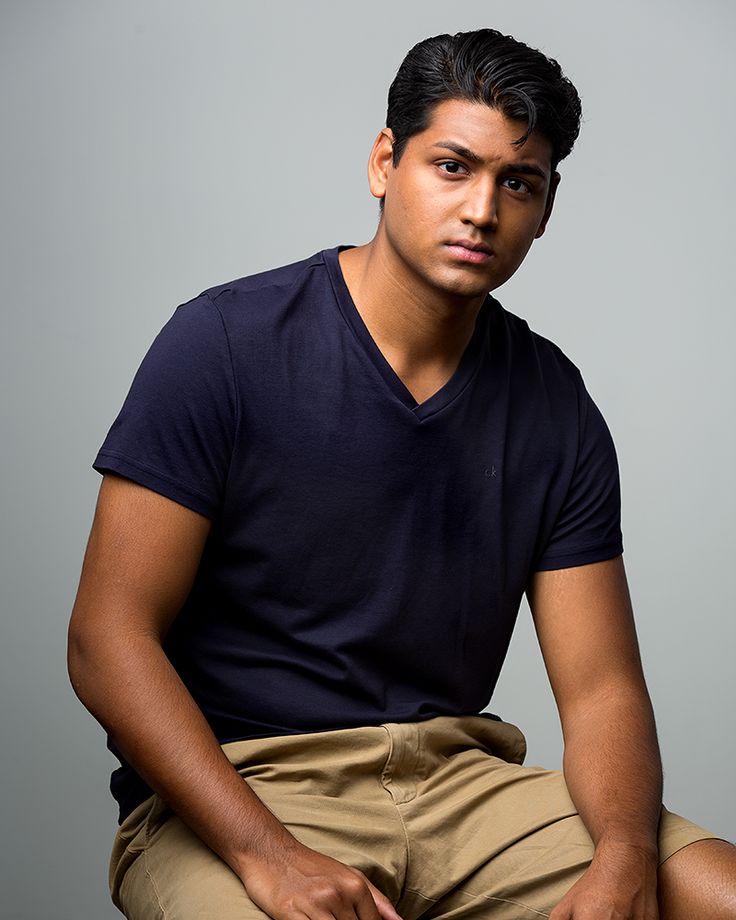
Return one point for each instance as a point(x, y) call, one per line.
point(130, 841)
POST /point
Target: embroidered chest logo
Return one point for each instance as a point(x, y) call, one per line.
point(490, 472)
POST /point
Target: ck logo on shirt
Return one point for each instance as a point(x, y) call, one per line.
point(490, 472)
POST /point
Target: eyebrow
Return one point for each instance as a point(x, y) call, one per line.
point(523, 168)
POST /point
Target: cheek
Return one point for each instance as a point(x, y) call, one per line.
point(414, 212)
point(522, 247)
point(419, 192)
point(522, 229)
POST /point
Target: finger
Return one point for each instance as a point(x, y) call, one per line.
point(355, 900)
point(560, 914)
point(366, 906)
point(315, 913)
point(385, 908)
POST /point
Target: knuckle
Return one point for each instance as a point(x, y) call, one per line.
point(354, 884)
point(326, 894)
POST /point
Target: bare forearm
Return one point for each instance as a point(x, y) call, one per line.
point(142, 558)
point(613, 768)
point(132, 689)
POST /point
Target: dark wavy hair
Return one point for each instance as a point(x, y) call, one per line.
point(488, 67)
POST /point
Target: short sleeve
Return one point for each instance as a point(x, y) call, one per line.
point(175, 431)
point(588, 526)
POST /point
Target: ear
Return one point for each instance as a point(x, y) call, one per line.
point(554, 182)
point(380, 162)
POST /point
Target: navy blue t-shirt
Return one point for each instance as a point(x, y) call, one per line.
point(368, 554)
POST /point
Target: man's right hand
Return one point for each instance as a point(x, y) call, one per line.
point(141, 560)
point(299, 882)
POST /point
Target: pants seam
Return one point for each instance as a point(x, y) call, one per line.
point(149, 876)
point(490, 897)
point(407, 843)
point(690, 843)
point(419, 894)
point(487, 897)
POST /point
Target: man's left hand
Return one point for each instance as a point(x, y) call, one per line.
point(619, 884)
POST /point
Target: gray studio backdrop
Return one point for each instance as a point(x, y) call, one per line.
point(152, 149)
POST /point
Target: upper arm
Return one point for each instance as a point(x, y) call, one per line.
point(141, 559)
point(585, 626)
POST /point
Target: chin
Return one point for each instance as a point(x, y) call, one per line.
point(465, 286)
point(457, 282)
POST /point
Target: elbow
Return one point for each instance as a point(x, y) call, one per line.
point(85, 648)
point(76, 662)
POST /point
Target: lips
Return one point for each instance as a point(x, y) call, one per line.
point(474, 246)
point(470, 252)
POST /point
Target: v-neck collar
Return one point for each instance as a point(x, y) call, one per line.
point(467, 366)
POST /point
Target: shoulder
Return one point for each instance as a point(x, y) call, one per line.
point(533, 360)
point(272, 285)
point(203, 318)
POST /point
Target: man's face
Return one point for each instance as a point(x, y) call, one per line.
point(483, 191)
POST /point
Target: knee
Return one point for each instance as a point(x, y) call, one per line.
point(698, 882)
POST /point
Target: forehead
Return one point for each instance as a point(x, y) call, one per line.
point(484, 130)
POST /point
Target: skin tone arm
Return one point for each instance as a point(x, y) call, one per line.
point(585, 625)
point(139, 566)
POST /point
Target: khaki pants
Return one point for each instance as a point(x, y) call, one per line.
point(439, 815)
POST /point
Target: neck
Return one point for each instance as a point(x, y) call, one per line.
point(420, 330)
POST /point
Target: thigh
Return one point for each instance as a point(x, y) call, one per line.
point(530, 877)
point(160, 870)
point(491, 838)
point(324, 787)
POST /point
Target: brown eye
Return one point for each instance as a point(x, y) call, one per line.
point(454, 166)
point(518, 185)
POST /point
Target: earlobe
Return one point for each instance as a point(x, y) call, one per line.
point(379, 163)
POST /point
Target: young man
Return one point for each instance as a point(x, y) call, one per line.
point(324, 497)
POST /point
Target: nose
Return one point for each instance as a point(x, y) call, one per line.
point(479, 205)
